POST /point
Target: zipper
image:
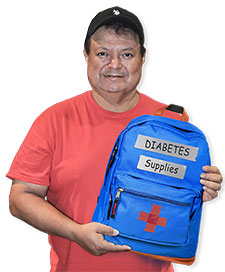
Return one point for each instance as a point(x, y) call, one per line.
point(110, 206)
point(149, 196)
point(112, 157)
point(153, 197)
point(117, 198)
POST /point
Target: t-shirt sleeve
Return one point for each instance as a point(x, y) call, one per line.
point(33, 160)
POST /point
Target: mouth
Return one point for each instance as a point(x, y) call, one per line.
point(113, 76)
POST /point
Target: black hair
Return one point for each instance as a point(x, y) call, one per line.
point(120, 28)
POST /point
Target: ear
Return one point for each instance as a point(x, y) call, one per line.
point(143, 58)
point(86, 55)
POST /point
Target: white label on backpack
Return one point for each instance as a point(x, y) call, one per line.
point(161, 167)
point(169, 148)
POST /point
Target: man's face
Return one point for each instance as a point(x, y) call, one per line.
point(114, 62)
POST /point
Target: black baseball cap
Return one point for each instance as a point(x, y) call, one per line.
point(116, 14)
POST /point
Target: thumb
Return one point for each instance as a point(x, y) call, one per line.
point(103, 229)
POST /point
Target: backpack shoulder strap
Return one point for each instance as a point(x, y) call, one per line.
point(174, 112)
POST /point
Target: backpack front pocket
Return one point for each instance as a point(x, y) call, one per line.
point(148, 211)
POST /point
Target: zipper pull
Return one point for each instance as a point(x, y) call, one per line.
point(117, 198)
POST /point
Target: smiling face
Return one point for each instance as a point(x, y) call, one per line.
point(114, 62)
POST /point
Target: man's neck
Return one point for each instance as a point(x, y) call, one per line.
point(116, 102)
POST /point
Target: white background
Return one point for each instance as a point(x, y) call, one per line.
point(41, 63)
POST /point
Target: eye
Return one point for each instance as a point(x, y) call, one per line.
point(128, 55)
point(102, 54)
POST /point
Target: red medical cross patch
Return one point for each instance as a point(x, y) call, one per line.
point(153, 219)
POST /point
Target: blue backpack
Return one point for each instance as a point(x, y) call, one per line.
point(151, 192)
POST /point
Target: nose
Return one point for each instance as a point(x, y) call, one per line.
point(115, 62)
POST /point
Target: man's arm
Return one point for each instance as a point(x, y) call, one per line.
point(27, 202)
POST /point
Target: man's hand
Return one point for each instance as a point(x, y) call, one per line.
point(211, 181)
point(27, 202)
point(90, 238)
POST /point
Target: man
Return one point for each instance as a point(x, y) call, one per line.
point(65, 153)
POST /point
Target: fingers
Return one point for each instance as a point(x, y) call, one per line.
point(91, 238)
point(211, 181)
point(104, 246)
point(103, 229)
point(209, 194)
point(212, 173)
point(211, 184)
point(211, 169)
point(108, 246)
point(212, 177)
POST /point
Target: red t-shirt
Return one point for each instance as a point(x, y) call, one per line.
point(67, 149)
